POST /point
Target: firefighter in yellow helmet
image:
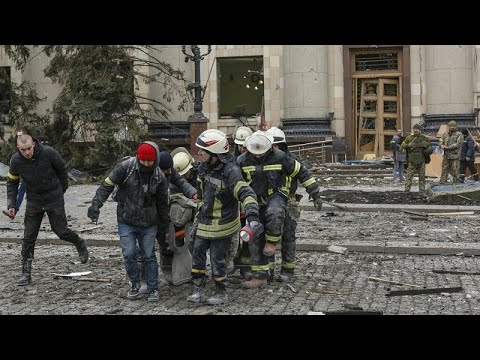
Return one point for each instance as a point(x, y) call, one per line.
point(239, 136)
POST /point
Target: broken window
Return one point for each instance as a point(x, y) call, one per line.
point(240, 86)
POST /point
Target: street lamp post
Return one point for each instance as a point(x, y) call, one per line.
point(196, 57)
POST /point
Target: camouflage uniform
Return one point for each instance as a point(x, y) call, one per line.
point(415, 146)
point(451, 156)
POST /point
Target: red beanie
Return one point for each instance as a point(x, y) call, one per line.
point(146, 152)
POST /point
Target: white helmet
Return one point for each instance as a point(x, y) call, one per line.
point(182, 160)
point(278, 135)
point(241, 134)
point(258, 143)
point(214, 141)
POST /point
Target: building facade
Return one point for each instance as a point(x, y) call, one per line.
point(363, 93)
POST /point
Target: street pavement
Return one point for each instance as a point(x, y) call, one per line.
point(325, 282)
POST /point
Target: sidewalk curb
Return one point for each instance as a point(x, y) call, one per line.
point(411, 250)
point(393, 208)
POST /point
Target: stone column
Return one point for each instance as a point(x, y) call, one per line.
point(449, 79)
point(306, 81)
point(476, 76)
point(417, 76)
point(197, 126)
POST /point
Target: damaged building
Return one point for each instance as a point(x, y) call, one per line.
point(355, 95)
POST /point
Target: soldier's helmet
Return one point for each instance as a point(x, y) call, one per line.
point(214, 141)
point(241, 134)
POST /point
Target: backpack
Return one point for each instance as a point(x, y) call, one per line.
point(131, 166)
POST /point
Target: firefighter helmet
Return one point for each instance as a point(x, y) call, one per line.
point(241, 134)
point(214, 141)
point(278, 135)
point(258, 143)
point(182, 162)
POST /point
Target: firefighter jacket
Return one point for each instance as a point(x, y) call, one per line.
point(45, 177)
point(178, 184)
point(140, 202)
point(220, 188)
point(276, 172)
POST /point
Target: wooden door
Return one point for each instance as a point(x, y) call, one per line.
point(377, 114)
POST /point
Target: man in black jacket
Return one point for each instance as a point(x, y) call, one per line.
point(44, 173)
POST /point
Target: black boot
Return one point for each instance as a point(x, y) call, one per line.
point(475, 177)
point(82, 250)
point(26, 273)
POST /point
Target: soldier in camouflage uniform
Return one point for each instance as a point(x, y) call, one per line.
point(451, 144)
point(416, 145)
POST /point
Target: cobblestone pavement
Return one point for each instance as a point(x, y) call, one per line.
point(323, 282)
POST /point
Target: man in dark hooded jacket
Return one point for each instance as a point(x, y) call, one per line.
point(43, 171)
point(142, 210)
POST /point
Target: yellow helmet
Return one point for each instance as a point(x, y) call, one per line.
point(241, 134)
point(182, 160)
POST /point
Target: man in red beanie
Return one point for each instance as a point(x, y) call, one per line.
point(142, 210)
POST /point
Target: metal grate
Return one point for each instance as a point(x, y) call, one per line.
point(376, 61)
point(308, 126)
point(170, 130)
point(433, 122)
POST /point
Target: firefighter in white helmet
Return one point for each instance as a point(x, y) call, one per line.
point(221, 187)
point(293, 214)
point(239, 136)
point(269, 172)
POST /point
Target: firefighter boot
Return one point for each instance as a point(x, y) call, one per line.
point(269, 249)
point(82, 250)
point(198, 295)
point(26, 273)
point(220, 297)
point(254, 283)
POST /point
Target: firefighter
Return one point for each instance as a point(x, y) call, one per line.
point(221, 187)
point(239, 136)
point(270, 172)
point(293, 213)
point(242, 260)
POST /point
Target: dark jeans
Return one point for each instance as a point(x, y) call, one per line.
point(146, 241)
point(218, 252)
point(58, 222)
point(464, 164)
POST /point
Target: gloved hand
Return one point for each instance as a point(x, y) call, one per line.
point(317, 202)
point(93, 212)
point(256, 227)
